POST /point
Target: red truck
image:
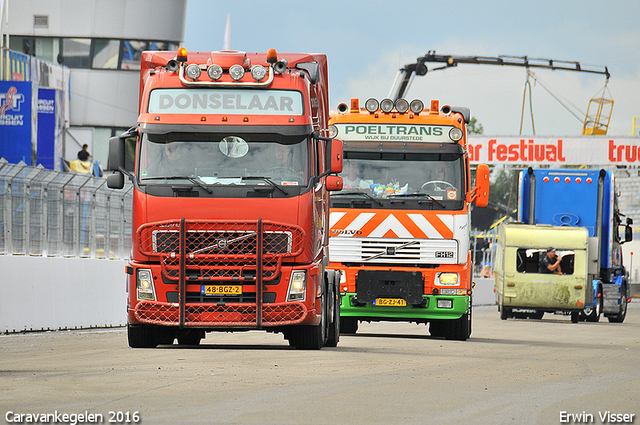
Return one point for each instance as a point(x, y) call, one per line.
point(231, 176)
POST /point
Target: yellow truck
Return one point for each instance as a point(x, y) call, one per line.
point(523, 291)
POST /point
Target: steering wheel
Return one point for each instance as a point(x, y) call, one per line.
point(435, 183)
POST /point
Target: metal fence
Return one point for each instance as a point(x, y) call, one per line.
point(52, 213)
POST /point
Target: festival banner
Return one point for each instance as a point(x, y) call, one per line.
point(555, 151)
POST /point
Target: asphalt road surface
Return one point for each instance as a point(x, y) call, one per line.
point(508, 372)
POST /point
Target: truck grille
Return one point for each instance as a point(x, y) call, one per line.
point(393, 250)
point(221, 250)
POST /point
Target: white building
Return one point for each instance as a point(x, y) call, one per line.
point(101, 41)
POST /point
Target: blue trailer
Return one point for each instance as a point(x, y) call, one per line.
point(588, 199)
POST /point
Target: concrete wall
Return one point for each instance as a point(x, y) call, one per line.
point(483, 292)
point(41, 293)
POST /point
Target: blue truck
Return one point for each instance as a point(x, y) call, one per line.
point(550, 201)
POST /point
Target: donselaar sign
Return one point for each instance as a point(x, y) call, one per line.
point(226, 101)
point(531, 150)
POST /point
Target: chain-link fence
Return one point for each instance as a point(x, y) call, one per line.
point(51, 213)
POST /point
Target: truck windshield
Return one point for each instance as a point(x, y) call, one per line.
point(390, 174)
point(222, 160)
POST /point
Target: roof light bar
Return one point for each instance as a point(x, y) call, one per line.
point(258, 72)
point(416, 106)
point(402, 105)
point(371, 105)
point(193, 71)
point(214, 72)
point(236, 72)
point(386, 105)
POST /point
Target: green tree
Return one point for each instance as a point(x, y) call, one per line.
point(474, 127)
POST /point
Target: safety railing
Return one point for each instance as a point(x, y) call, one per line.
point(52, 213)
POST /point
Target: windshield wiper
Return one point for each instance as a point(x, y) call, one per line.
point(417, 194)
point(268, 180)
point(196, 180)
point(366, 195)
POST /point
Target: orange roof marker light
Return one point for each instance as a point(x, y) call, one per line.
point(355, 106)
point(272, 56)
point(435, 107)
point(182, 55)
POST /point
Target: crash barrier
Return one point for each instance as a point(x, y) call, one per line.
point(52, 213)
point(64, 238)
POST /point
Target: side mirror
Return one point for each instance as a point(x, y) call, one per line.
point(628, 233)
point(116, 161)
point(115, 180)
point(334, 155)
point(334, 183)
point(481, 192)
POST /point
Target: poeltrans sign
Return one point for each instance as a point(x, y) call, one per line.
point(601, 150)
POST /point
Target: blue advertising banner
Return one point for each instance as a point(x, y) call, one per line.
point(46, 127)
point(15, 121)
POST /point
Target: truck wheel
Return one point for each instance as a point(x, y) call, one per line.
point(538, 315)
point(191, 337)
point(619, 318)
point(458, 329)
point(575, 316)
point(141, 336)
point(592, 314)
point(309, 337)
point(348, 325)
point(334, 314)
point(436, 328)
point(505, 313)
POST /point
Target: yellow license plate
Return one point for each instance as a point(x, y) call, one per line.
point(221, 289)
point(390, 302)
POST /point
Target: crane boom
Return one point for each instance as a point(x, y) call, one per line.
point(406, 73)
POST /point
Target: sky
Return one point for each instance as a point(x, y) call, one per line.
point(367, 42)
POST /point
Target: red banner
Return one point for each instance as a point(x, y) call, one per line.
point(531, 150)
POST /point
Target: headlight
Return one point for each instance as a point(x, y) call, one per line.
point(333, 131)
point(297, 286)
point(455, 134)
point(258, 72)
point(214, 71)
point(144, 285)
point(236, 72)
point(416, 106)
point(371, 105)
point(386, 105)
point(193, 71)
point(402, 106)
point(447, 279)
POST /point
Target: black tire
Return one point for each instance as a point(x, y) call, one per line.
point(593, 314)
point(333, 337)
point(142, 336)
point(538, 315)
point(190, 337)
point(575, 316)
point(505, 313)
point(436, 328)
point(458, 329)
point(310, 337)
point(619, 318)
point(348, 325)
